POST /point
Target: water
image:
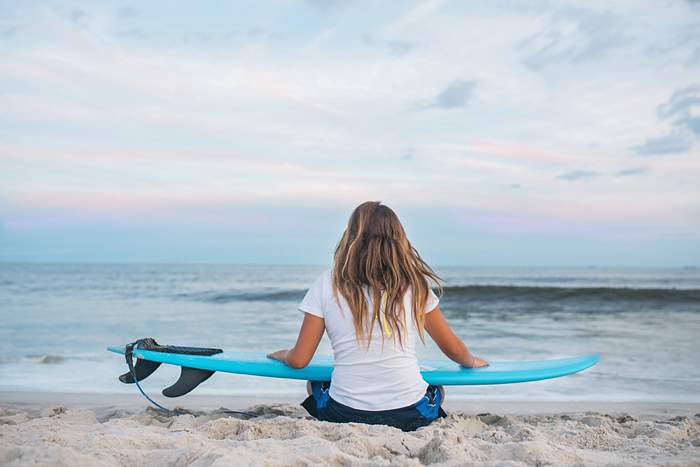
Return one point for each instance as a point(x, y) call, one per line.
point(58, 319)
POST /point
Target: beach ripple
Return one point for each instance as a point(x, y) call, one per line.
point(282, 435)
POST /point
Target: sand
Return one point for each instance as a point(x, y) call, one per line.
point(79, 429)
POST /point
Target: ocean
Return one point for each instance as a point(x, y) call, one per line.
point(58, 319)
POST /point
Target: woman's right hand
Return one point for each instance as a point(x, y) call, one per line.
point(477, 363)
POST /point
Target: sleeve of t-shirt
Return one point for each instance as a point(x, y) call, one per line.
point(313, 300)
point(431, 302)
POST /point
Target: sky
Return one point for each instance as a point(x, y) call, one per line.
point(502, 133)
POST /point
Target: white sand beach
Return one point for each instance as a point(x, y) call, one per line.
point(99, 429)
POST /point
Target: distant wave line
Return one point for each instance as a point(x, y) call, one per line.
point(549, 293)
point(477, 293)
point(40, 359)
point(243, 296)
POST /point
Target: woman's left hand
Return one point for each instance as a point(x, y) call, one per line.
point(280, 355)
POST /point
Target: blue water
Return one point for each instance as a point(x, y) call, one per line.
point(58, 319)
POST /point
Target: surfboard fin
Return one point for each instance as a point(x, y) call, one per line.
point(143, 369)
point(189, 379)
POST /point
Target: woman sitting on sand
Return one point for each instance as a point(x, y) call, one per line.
point(372, 303)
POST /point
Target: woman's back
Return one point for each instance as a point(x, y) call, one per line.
point(380, 373)
point(373, 302)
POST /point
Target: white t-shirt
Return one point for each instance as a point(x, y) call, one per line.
point(374, 378)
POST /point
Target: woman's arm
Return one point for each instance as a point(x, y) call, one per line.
point(310, 335)
point(449, 343)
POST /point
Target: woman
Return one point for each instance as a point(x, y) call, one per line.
point(373, 303)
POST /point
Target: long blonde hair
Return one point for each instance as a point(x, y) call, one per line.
point(374, 252)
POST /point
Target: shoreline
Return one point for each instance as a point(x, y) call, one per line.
point(237, 402)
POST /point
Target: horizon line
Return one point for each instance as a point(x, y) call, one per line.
point(229, 263)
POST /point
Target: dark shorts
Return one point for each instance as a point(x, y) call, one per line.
point(321, 406)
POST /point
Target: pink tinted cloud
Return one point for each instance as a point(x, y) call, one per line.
point(522, 152)
point(49, 209)
point(92, 156)
point(510, 153)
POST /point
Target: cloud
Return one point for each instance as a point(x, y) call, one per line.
point(672, 143)
point(133, 33)
point(420, 14)
point(519, 153)
point(571, 35)
point(456, 94)
point(8, 32)
point(263, 33)
point(326, 5)
point(678, 46)
point(578, 175)
point(682, 111)
point(400, 47)
point(631, 172)
point(127, 12)
point(693, 124)
point(694, 57)
point(77, 15)
point(395, 47)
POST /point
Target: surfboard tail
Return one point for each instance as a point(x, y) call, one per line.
point(189, 378)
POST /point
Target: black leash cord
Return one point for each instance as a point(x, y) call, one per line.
point(129, 355)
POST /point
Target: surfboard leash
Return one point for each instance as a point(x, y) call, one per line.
point(129, 355)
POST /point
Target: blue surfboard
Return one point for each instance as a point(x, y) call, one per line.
point(439, 372)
